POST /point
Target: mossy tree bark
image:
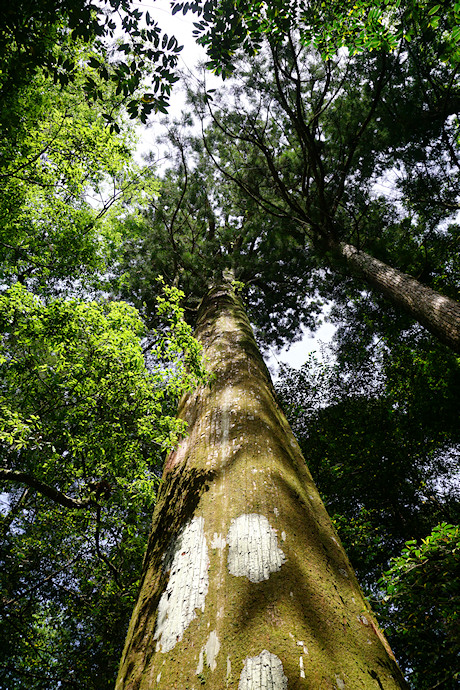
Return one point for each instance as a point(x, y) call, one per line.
point(245, 583)
point(438, 313)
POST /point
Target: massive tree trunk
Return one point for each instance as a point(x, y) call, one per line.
point(439, 314)
point(245, 583)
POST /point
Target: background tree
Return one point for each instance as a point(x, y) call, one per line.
point(323, 133)
point(60, 175)
point(127, 45)
point(423, 584)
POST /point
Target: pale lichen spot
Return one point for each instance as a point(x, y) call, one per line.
point(276, 511)
point(211, 649)
point(283, 536)
point(199, 668)
point(229, 668)
point(339, 682)
point(362, 619)
point(218, 541)
point(253, 548)
point(187, 562)
point(302, 670)
point(263, 672)
point(343, 572)
point(159, 677)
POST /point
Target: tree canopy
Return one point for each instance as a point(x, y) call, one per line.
point(84, 427)
point(84, 423)
point(127, 48)
point(228, 27)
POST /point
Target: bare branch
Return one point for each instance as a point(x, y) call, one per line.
point(43, 488)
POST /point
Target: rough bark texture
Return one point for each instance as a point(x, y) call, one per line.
point(439, 314)
point(245, 584)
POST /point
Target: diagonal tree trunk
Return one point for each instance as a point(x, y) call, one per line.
point(439, 314)
point(245, 583)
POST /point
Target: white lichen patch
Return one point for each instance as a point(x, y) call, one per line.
point(301, 667)
point(263, 672)
point(187, 563)
point(218, 541)
point(339, 683)
point(211, 649)
point(199, 668)
point(253, 548)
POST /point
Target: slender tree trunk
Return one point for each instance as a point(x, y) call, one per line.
point(439, 314)
point(245, 583)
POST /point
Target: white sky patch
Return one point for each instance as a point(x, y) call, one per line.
point(253, 548)
point(187, 560)
point(296, 354)
point(263, 672)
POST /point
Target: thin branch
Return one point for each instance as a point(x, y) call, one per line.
point(355, 141)
point(37, 585)
point(102, 557)
point(43, 488)
point(35, 158)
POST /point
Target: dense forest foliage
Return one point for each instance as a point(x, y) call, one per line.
point(337, 127)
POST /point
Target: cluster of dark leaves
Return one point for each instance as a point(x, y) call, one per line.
point(379, 430)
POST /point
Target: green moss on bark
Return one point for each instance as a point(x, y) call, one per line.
point(241, 458)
